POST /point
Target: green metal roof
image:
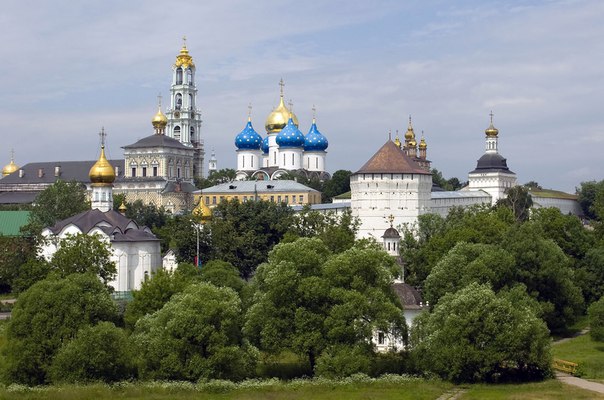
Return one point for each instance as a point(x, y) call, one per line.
point(12, 221)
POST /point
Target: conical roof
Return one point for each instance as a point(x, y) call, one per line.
point(391, 160)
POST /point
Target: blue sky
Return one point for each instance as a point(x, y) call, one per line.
point(69, 68)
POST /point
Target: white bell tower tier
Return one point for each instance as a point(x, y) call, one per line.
point(102, 177)
point(184, 118)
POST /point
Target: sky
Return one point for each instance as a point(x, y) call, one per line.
point(69, 68)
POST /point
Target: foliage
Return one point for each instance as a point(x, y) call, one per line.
point(590, 274)
point(591, 199)
point(84, 253)
point(58, 201)
point(47, 315)
point(596, 320)
point(519, 200)
point(307, 300)
point(197, 334)
point(157, 291)
point(146, 214)
point(215, 178)
point(180, 234)
point(222, 274)
point(343, 361)
point(566, 231)
point(14, 252)
point(337, 231)
point(244, 233)
point(30, 272)
point(338, 184)
point(474, 335)
point(466, 263)
point(445, 184)
point(532, 185)
point(97, 353)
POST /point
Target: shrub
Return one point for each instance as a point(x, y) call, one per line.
point(596, 320)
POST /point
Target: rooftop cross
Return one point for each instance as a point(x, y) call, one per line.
point(159, 100)
point(184, 42)
point(491, 114)
point(314, 112)
point(102, 135)
point(281, 83)
point(391, 219)
point(249, 111)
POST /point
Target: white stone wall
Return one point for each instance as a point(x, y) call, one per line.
point(290, 158)
point(248, 160)
point(566, 206)
point(314, 161)
point(494, 183)
point(135, 261)
point(442, 205)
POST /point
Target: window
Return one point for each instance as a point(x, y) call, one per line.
point(275, 157)
point(388, 246)
point(317, 162)
point(213, 199)
point(283, 159)
point(301, 199)
point(192, 137)
point(221, 198)
point(144, 171)
point(207, 200)
point(155, 170)
point(279, 199)
point(381, 338)
point(243, 162)
point(252, 161)
point(178, 172)
point(179, 76)
point(244, 199)
point(273, 199)
point(293, 159)
point(133, 172)
point(294, 199)
point(189, 76)
point(286, 199)
point(177, 132)
point(178, 101)
point(190, 101)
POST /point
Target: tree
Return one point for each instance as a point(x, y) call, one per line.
point(519, 200)
point(147, 214)
point(31, 271)
point(14, 252)
point(588, 192)
point(596, 320)
point(84, 253)
point(222, 274)
point(158, 290)
point(196, 335)
point(97, 353)
point(215, 178)
point(532, 185)
point(445, 184)
point(338, 184)
point(466, 263)
point(308, 300)
point(566, 231)
point(47, 315)
point(590, 274)
point(57, 202)
point(337, 231)
point(474, 335)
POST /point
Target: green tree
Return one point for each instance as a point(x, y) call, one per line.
point(337, 231)
point(14, 252)
point(47, 315)
point(338, 184)
point(147, 214)
point(588, 193)
point(215, 178)
point(532, 185)
point(566, 231)
point(97, 353)
point(474, 335)
point(222, 274)
point(158, 290)
point(466, 263)
point(197, 334)
point(519, 200)
point(590, 274)
point(31, 271)
point(84, 253)
point(596, 320)
point(57, 202)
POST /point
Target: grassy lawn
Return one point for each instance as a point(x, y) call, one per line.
point(585, 352)
point(551, 389)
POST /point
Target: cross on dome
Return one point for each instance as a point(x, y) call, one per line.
point(102, 135)
point(281, 83)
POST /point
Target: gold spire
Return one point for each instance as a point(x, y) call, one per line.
point(159, 120)
point(491, 131)
point(122, 209)
point(409, 135)
point(201, 212)
point(397, 141)
point(102, 173)
point(278, 118)
point(314, 114)
point(183, 59)
point(11, 166)
point(249, 112)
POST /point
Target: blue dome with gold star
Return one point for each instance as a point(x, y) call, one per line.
point(265, 145)
point(314, 140)
point(290, 136)
point(248, 139)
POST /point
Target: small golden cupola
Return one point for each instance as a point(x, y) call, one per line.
point(183, 59)
point(491, 131)
point(397, 141)
point(422, 143)
point(102, 173)
point(409, 135)
point(278, 118)
point(159, 120)
point(201, 212)
point(11, 166)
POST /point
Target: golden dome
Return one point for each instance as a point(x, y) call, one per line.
point(102, 172)
point(122, 209)
point(277, 119)
point(10, 167)
point(491, 131)
point(159, 120)
point(422, 144)
point(202, 212)
point(397, 142)
point(409, 135)
point(412, 143)
point(183, 59)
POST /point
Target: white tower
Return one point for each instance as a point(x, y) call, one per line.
point(102, 176)
point(391, 239)
point(213, 164)
point(315, 146)
point(249, 154)
point(492, 174)
point(184, 118)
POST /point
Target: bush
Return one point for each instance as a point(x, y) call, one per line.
point(344, 361)
point(596, 320)
point(98, 353)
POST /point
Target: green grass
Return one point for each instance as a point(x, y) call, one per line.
point(551, 389)
point(585, 352)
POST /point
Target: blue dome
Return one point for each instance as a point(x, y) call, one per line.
point(265, 145)
point(314, 140)
point(248, 139)
point(290, 136)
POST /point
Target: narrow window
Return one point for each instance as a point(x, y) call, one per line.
point(144, 171)
point(133, 172)
point(154, 170)
point(179, 76)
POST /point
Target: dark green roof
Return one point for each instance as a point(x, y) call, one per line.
point(343, 196)
point(554, 194)
point(12, 221)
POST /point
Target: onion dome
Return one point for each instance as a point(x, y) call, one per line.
point(491, 131)
point(102, 173)
point(265, 145)
point(278, 118)
point(290, 136)
point(422, 144)
point(409, 135)
point(412, 143)
point(183, 59)
point(397, 142)
point(314, 140)
point(10, 167)
point(201, 212)
point(159, 121)
point(122, 209)
point(248, 138)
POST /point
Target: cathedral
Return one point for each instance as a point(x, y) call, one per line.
point(284, 149)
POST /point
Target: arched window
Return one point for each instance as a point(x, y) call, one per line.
point(133, 169)
point(189, 76)
point(178, 101)
point(177, 132)
point(192, 137)
point(190, 101)
point(179, 76)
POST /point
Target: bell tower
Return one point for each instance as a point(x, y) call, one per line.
point(184, 118)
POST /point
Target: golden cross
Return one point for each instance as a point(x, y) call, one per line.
point(159, 100)
point(391, 219)
point(291, 105)
point(184, 42)
point(281, 83)
point(491, 114)
point(249, 111)
point(102, 134)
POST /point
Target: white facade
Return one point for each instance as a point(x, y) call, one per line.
point(314, 161)
point(495, 183)
point(290, 158)
point(249, 160)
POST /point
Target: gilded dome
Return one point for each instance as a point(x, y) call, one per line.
point(9, 168)
point(201, 212)
point(422, 144)
point(397, 142)
point(102, 172)
point(278, 118)
point(159, 120)
point(183, 59)
point(409, 135)
point(491, 131)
